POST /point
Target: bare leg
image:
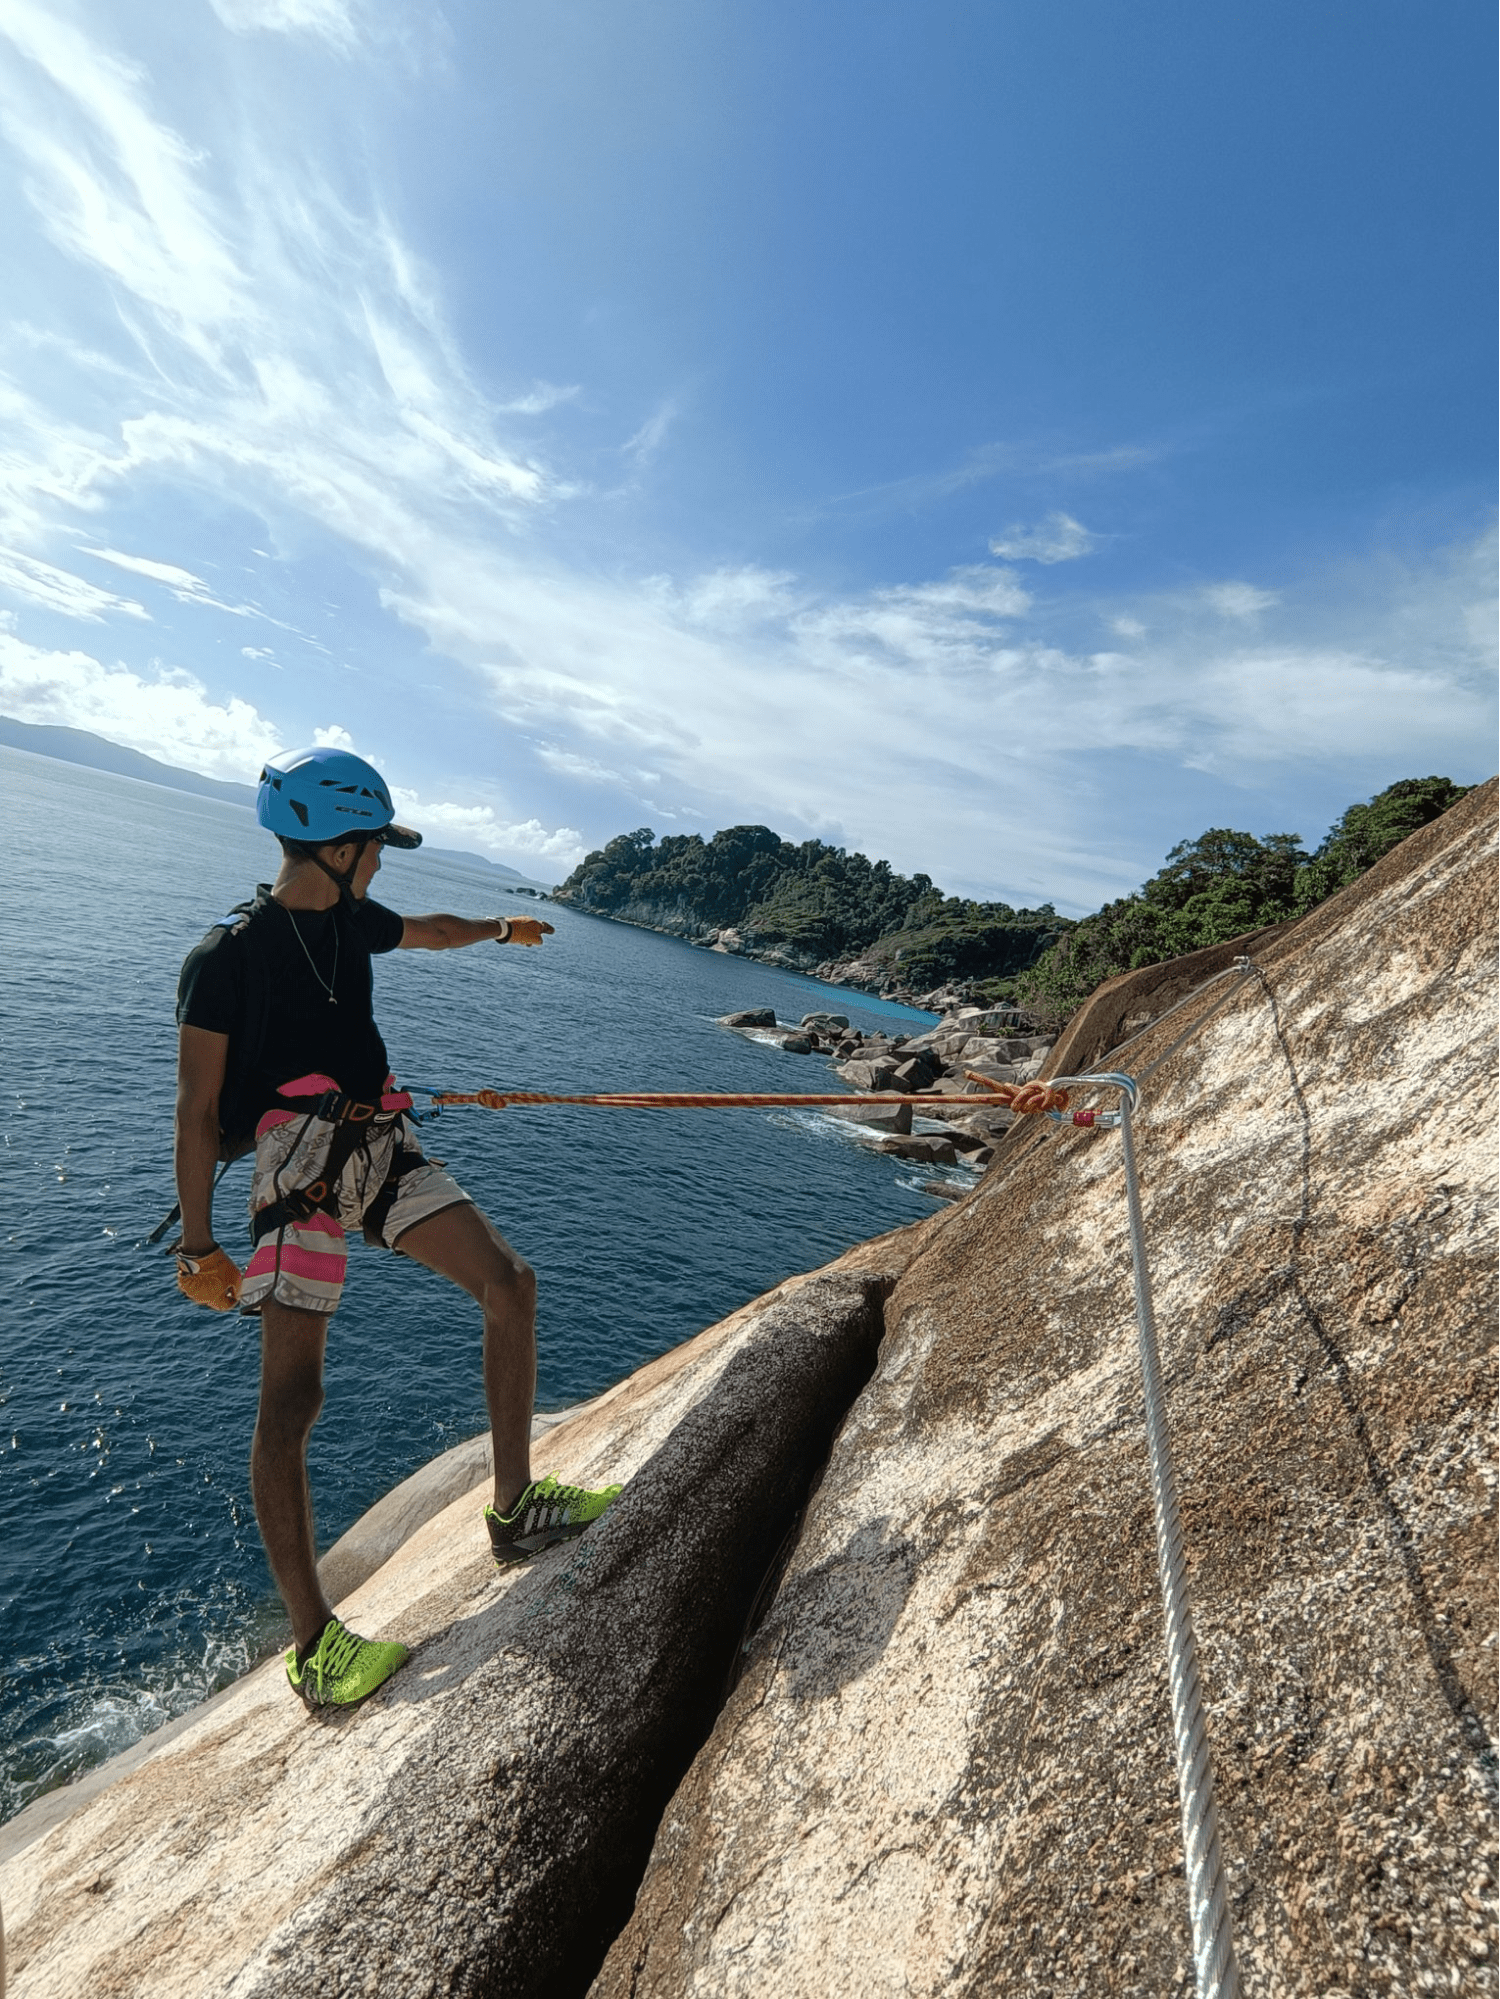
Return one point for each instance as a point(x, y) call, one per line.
point(464, 1245)
point(291, 1395)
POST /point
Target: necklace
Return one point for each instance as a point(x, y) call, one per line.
point(328, 983)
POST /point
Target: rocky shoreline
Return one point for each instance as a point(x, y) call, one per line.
point(858, 973)
point(969, 1048)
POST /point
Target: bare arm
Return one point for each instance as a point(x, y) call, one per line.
point(447, 933)
point(201, 1057)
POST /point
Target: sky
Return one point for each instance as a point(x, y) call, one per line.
point(1003, 439)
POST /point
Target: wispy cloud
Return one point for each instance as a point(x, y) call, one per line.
point(545, 396)
point(60, 590)
point(331, 20)
point(1238, 600)
point(236, 384)
point(649, 439)
point(1058, 538)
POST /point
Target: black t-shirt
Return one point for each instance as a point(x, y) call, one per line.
point(265, 981)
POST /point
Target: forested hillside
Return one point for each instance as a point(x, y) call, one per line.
point(856, 921)
point(815, 902)
point(1221, 885)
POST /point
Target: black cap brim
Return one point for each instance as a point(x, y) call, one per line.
point(399, 836)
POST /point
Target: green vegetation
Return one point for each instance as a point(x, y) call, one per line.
point(1219, 886)
point(814, 899)
point(828, 904)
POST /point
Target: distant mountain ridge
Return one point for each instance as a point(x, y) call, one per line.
point(80, 746)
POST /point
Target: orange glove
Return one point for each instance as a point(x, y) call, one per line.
point(525, 930)
point(212, 1279)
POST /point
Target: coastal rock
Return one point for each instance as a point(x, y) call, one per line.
point(790, 1040)
point(927, 1147)
point(917, 1071)
point(875, 1117)
point(752, 1016)
point(862, 1074)
point(947, 1768)
point(827, 1023)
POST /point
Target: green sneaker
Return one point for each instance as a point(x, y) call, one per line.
point(546, 1512)
point(343, 1668)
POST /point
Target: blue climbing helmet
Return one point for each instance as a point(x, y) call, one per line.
point(315, 796)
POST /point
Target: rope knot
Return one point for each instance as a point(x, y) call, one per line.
point(1025, 1099)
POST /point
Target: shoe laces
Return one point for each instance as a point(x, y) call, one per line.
point(338, 1651)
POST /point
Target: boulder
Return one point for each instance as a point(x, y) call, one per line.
point(863, 1074)
point(928, 1147)
point(877, 1117)
point(790, 1042)
point(921, 1043)
point(948, 1766)
point(754, 1016)
point(827, 1023)
point(966, 1141)
point(917, 1071)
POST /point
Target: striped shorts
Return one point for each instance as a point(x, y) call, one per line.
point(302, 1263)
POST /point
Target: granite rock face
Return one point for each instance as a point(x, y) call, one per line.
point(480, 1825)
point(947, 1767)
point(918, 1744)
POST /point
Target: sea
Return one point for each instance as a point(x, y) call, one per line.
point(132, 1581)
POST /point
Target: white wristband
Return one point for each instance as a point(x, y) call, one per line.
point(504, 938)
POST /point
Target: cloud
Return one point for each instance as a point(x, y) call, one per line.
point(943, 724)
point(1058, 538)
point(169, 716)
point(325, 383)
point(332, 20)
point(1238, 600)
point(648, 440)
point(480, 828)
point(333, 738)
point(111, 185)
point(60, 590)
point(545, 396)
point(283, 355)
point(585, 770)
point(728, 600)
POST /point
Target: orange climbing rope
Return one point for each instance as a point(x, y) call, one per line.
point(1027, 1099)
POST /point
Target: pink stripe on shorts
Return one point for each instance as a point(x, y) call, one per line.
point(303, 1263)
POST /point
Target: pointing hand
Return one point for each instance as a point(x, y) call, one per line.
point(527, 930)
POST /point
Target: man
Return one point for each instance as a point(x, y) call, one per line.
point(278, 1049)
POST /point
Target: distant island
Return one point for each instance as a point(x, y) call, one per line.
point(79, 746)
point(811, 908)
point(851, 921)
